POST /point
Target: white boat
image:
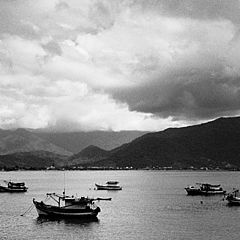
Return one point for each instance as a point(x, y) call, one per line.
point(110, 185)
point(68, 207)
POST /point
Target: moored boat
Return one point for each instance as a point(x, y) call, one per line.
point(233, 198)
point(13, 187)
point(110, 185)
point(204, 189)
point(68, 207)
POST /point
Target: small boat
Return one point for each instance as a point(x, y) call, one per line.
point(233, 198)
point(110, 185)
point(204, 189)
point(68, 207)
point(13, 187)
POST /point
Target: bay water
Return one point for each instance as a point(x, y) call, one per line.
point(151, 205)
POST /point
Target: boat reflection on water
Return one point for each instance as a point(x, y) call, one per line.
point(67, 221)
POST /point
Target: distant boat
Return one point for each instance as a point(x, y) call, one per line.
point(13, 187)
point(68, 207)
point(204, 189)
point(233, 198)
point(110, 185)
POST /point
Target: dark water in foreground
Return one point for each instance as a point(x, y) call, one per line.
point(152, 205)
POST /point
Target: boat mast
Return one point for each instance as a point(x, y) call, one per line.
point(64, 184)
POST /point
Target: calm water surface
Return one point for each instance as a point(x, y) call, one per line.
point(152, 205)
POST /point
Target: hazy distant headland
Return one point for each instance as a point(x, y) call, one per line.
point(213, 145)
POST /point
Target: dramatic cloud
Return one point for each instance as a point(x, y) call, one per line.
point(129, 64)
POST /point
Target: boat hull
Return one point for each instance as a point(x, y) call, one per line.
point(193, 191)
point(12, 190)
point(202, 192)
point(234, 203)
point(233, 200)
point(106, 187)
point(45, 210)
point(213, 192)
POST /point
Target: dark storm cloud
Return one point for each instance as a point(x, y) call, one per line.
point(127, 64)
point(195, 9)
point(201, 84)
point(188, 100)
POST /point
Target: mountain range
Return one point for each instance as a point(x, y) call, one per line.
point(38, 149)
point(76, 141)
point(211, 145)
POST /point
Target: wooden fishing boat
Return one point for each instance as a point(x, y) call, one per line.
point(68, 207)
point(13, 187)
point(110, 185)
point(204, 189)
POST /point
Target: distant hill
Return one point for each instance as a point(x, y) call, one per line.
point(31, 148)
point(213, 144)
point(76, 141)
point(88, 156)
point(21, 140)
point(35, 159)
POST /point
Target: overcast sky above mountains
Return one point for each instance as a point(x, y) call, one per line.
point(118, 65)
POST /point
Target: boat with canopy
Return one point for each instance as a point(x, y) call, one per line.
point(204, 189)
point(13, 187)
point(68, 206)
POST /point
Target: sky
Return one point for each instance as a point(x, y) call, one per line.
point(84, 65)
